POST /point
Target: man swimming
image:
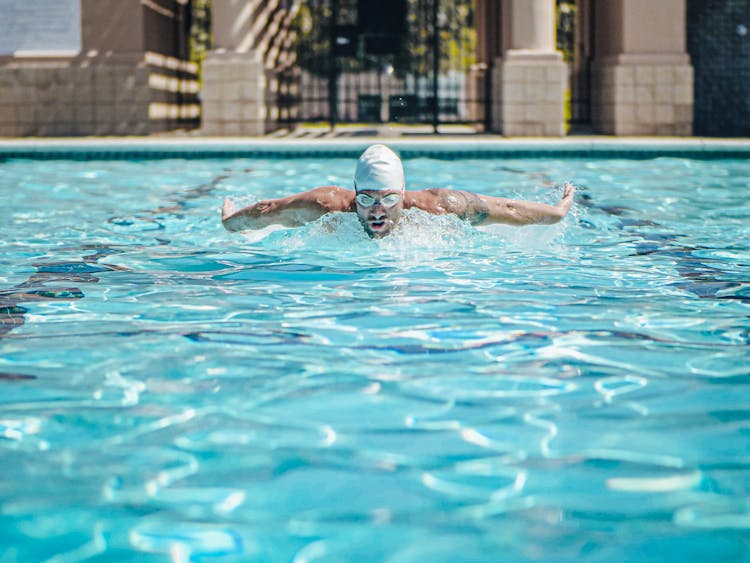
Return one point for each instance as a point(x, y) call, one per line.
point(379, 197)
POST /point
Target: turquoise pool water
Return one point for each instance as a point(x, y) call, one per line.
point(170, 391)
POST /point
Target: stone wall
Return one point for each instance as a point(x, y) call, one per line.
point(233, 94)
point(80, 97)
point(530, 94)
point(125, 76)
point(643, 99)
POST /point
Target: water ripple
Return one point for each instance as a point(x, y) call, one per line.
point(480, 388)
point(725, 514)
point(188, 541)
point(172, 391)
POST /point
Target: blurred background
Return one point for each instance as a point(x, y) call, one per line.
point(254, 67)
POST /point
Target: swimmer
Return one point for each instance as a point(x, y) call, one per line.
point(379, 197)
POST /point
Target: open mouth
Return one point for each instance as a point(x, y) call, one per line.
point(377, 225)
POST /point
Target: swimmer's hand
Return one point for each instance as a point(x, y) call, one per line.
point(232, 219)
point(567, 200)
point(227, 210)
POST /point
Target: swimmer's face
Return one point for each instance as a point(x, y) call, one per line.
point(379, 210)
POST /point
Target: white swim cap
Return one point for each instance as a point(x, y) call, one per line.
point(379, 168)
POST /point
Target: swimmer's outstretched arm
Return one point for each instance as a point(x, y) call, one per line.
point(483, 210)
point(291, 211)
point(517, 212)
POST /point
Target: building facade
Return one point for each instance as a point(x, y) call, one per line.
point(120, 67)
point(632, 54)
point(95, 67)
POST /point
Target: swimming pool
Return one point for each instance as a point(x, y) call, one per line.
point(171, 391)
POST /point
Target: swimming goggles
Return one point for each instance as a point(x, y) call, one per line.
point(390, 200)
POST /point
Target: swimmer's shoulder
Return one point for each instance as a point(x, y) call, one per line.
point(427, 199)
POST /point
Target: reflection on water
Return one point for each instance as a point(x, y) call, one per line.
point(449, 393)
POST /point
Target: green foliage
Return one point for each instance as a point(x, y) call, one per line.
point(565, 39)
point(200, 30)
point(565, 36)
point(456, 33)
point(313, 42)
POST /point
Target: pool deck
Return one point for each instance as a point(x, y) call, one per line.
point(350, 141)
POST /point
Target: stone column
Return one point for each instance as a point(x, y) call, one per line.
point(529, 78)
point(642, 79)
point(233, 91)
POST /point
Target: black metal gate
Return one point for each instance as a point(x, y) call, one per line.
point(377, 61)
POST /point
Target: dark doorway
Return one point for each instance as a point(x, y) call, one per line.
point(574, 40)
point(718, 39)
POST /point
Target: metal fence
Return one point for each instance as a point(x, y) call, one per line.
point(376, 61)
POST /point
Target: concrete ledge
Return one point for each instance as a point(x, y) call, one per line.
point(442, 147)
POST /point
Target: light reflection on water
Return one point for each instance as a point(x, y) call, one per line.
point(556, 393)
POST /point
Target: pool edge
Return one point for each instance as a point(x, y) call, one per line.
point(128, 147)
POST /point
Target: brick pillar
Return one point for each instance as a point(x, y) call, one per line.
point(233, 100)
point(529, 78)
point(234, 82)
point(642, 77)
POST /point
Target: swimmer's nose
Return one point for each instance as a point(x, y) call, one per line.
point(378, 213)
